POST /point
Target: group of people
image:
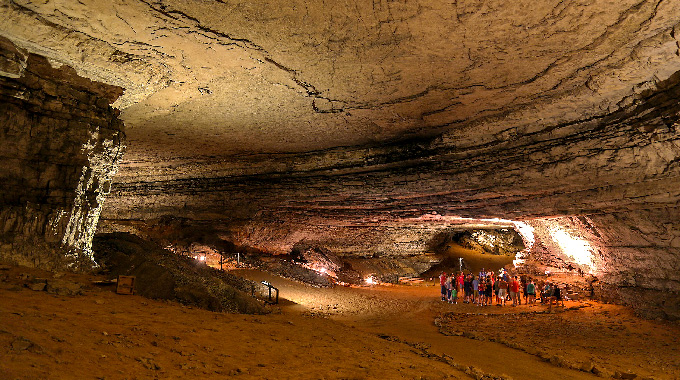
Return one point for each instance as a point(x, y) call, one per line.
point(487, 287)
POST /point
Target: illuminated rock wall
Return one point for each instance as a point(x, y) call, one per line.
point(641, 267)
point(567, 244)
point(623, 163)
point(61, 142)
point(634, 255)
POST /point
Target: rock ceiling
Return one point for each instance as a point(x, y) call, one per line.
point(477, 108)
point(473, 108)
point(209, 79)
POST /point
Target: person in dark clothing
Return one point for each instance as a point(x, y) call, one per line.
point(489, 292)
point(556, 295)
point(467, 285)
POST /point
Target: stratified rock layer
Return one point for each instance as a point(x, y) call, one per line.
point(207, 79)
point(60, 145)
point(643, 262)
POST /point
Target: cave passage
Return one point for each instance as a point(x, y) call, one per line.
point(472, 250)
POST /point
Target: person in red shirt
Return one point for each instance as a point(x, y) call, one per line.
point(514, 290)
point(442, 282)
point(481, 287)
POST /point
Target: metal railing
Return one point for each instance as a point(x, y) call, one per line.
point(265, 291)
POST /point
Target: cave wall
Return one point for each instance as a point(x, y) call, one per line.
point(623, 160)
point(642, 264)
point(61, 142)
point(633, 256)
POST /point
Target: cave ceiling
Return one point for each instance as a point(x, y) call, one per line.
point(477, 108)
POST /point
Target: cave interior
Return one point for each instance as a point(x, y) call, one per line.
point(359, 140)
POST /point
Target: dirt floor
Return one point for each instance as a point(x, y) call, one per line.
point(381, 332)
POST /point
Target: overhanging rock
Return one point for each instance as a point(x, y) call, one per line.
point(61, 142)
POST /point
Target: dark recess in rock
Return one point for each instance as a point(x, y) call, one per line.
point(161, 274)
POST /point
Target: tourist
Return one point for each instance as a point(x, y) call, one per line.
point(514, 290)
point(546, 293)
point(555, 296)
point(454, 295)
point(496, 288)
point(531, 293)
point(488, 290)
point(475, 290)
point(463, 294)
point(482, 292)
point(467, 288)
point(502, 292)
point(460, 280)
point(449, 287)
point(558, 294)
point(442, 282)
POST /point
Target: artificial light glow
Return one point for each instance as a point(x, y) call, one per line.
point(316, 267)
point(370, 280)
point(576, 248)
point(527, 233)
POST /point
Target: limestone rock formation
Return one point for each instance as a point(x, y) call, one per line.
point(366, 128)
point(61, 143)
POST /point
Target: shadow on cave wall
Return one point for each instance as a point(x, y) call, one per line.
point(192, 238)
point(161, 274)
point(182, 233)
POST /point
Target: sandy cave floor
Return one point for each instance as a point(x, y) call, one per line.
point(380, 332)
